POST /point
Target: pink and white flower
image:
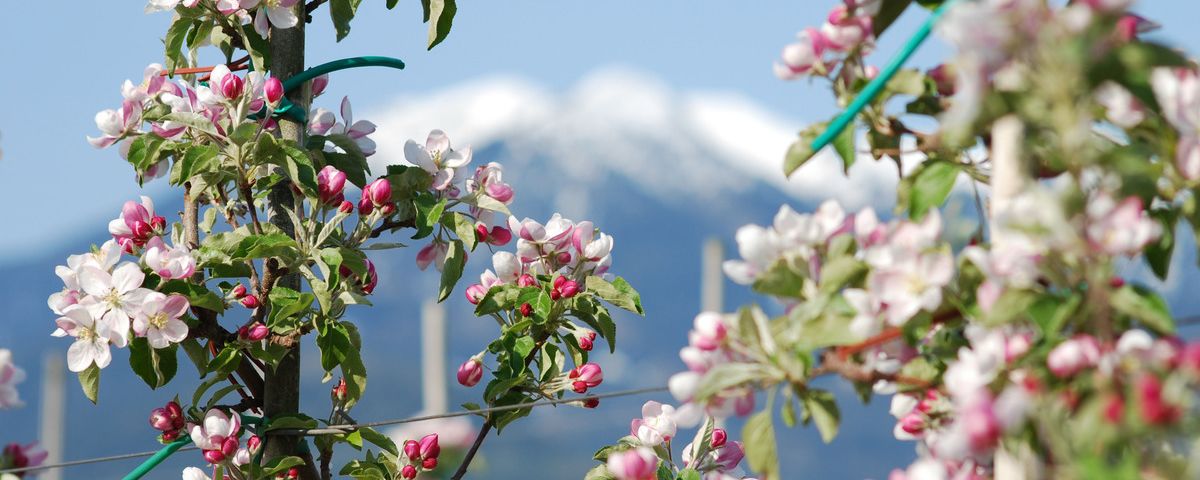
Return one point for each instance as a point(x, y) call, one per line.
point(279, 13)
point(803, 57)
point(1121, 108)
point(92, 339)
point(1178, 93)
point(913, 285)
point(118, 296)
point(438, 159)
point(168, 262)
point(1119, 228)
point(324, 123)
point(656, 426)
point(10, 376)
point(136, 224)
point(635, 464)
point(115, 125)
point(159, 319)
point(1074, 355)
point(218, 432)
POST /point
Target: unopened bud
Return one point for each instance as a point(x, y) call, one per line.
point(526, 280)
point(481, 233)
point(408, 472)
point(253, 444)
point(526, 310)
point(346, 207)
point(470, 372)
point(213, 456)
point(569, 289)
point(250, 301)
point(161, 420)
point(429, 463)
point(338, 392)
point(273, 89)
point(591, 403)
point(719, 436)
point(238, 291)
point(412, 450)
point(293, 472)
point(499, 236)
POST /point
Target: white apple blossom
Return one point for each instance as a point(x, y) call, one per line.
point(1121, 108)
point(913, 284)
point(216, 427)
point(92, 338)
point(115, 125)
point(278, 12)
point(323, 122)
point(193, 473)
point(10, 376)
point(438, 159)
point(1119, 228)
point(118, 296)
point(1178, 93)
point(168, 262)
point(158, 319)
point(161, 5)
point(657, 424)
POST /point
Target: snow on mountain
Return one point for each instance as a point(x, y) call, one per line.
point(679, 146)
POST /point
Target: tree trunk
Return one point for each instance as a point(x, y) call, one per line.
point(281, 394)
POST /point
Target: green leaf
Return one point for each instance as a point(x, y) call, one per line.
point(89, 379)
point(440, 16)
point(226, 361)
point(908, 81)
point(197, 354)
point(297, 421)
point(287, 308)
point(728, 375)
point(194, 121)
point(800, 152)
point(176, 36)
point(379, 439)
point(1158, 254)
point(619, 293)
point(688, 474)
point(341, 12)
point(759, 437)
point(839, 272)
point(843, 144)
point(155, 367)
point(456, 257)
point(280, 465)
point(355, 171)
point(929, 186)
point(824, 410)
point(1051, 313)
point(144, 151)
point(485, 202)
point(1144, 305)
point(266, 245)
point(599, 472)
point(463, 227)
point(196, 160)
point(782, 280)
point(501, 297)
point(888, 13)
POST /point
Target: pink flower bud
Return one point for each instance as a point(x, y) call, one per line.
point(250, 301)
point(729, 456)
point(558, 282)
point(346, 207)
point(379, 191)
point(319, 84)
point(230, 86)
point(640, 463)
point(238, 291)
point(913, 423)
point(429, 463)
point(161, 420)
point(1154, 409)
point(499, 191)
point(338, 392)
point(499, 236)
point(563, 257)
point(175, 413)
point(526, 280)
point(470, 372)
point(273, 90)
point(1114, 409)
point(213, 456)
point(475, 293)
point(408, 472)
point(293, 473)
point(412, 450)
point(591, 403)
point(429, 446)
point(230, 446)
point(170, 436)
point(981, 425)
point(364, 206)
point(719, 437)
point(589, 374)
point(586, 343)
point(253, 444)
point(526, 309)
point(481, 233)
point(255, 332)
point(387, 209)
point(1073, 356)
point(330, 182)
point(569, 288)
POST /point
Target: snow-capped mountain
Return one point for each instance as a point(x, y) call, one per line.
point(660, 170)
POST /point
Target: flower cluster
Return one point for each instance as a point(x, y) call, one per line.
point(847, 31)
point(169, 420)
point(639, 456)
point(104, 301)
point(217, 436)
point(422, 455)
point(709, 346)
point(263, 14)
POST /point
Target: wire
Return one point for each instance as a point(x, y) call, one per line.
point(340, 429)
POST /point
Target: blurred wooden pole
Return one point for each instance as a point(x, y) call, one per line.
point(433, 357)
point(53, 413)
point(711, 278)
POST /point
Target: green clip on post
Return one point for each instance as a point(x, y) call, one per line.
point(158, 458)
point(285, 107)
point(876, 85)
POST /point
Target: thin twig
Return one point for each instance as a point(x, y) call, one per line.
point(466, 462)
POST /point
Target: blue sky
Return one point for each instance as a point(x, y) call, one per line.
point(73, 66)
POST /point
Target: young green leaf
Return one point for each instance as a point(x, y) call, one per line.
point(456, 257)
point(440, 16)
point(89, 379)
point(759, 438)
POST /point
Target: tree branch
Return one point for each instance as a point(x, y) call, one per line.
point(466, 462)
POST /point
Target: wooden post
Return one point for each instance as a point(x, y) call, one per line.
point(281, 386)
point(52, 414)
point(433, 357)
point(711, 278)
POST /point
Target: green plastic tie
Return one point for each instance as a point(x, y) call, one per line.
point(875, 86)
point(158, 458)
point(286, 106)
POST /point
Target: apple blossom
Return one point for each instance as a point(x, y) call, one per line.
point(1178, 92)
point(324, 123)
point(913, 285)
point(438, 159)
point(118, 296)
point(428, 446)
point(158, 319)
point(434, 253)
point(168, 262)
point(708, 331)
point(635, 464)
point(656, 426)
point(489, 180)
point(218, 433)
point(279, 13)
point(10, 376)
point(92, 338)
point(136, 225)
point(115, 125)
point(1073, 355)
point(846, 29)
point(160, 5)
point(803, 57)
point(1121, 108)
point(1122, 228)
point(15, 455)
point(273, 90)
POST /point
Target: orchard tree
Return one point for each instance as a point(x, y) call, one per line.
point(270, 248)
point(1023, 353)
